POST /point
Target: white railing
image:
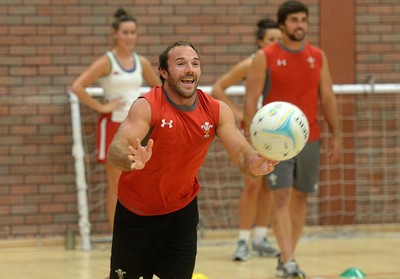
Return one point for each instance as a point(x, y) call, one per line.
point(238, 90)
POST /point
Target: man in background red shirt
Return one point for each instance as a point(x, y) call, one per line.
point(296, 72)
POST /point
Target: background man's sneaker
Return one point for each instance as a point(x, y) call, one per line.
point(292, 270)
point(280, 271)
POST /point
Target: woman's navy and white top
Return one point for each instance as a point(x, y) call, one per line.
point(122, 83)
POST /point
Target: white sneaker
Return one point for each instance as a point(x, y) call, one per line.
point(265, 249)
point(242, 252)
point(292, 271)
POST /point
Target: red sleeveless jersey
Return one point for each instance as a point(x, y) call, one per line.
point(293, 76)
point(181, 137)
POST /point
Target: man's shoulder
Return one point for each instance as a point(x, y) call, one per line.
point(312, 47)
point(153, 96)
point(272, 47)
point(154, 91)
point(201, 94)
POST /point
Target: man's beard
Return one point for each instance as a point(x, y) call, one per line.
point(296, 39)
point(181, 93)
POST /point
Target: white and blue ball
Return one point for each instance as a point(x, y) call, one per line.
point(279, 130)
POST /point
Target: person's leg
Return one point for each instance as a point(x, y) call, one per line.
point(281, 222)
point(283, 228)
point(135, 240)
point(261, 244)
point(305, 181)
point(106, 130)
point(177, 256)
point(247, 212)
point(263, 209)
point(112, 189)
point(280, 183)
point(298, 212)
point(248, 202)
point(307, 176)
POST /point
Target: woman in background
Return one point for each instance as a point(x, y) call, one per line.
point(120, 72)
point(254, 206)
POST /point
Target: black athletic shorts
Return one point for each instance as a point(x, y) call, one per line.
point(164, 245)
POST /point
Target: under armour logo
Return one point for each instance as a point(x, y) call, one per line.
point(120, 273)
point(163, 123)
point(281, 62)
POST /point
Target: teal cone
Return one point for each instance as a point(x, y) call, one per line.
point(353, 272)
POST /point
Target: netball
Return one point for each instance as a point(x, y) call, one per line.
point(279, 130)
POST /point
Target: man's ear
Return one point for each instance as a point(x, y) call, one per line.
point(163, 73)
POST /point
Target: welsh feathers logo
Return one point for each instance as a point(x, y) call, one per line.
point(206, 127)
point(311, 61)
point(120, 273)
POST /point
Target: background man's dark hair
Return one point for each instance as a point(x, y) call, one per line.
point(290, 7)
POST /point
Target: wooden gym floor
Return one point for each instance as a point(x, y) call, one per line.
point(321, 257)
